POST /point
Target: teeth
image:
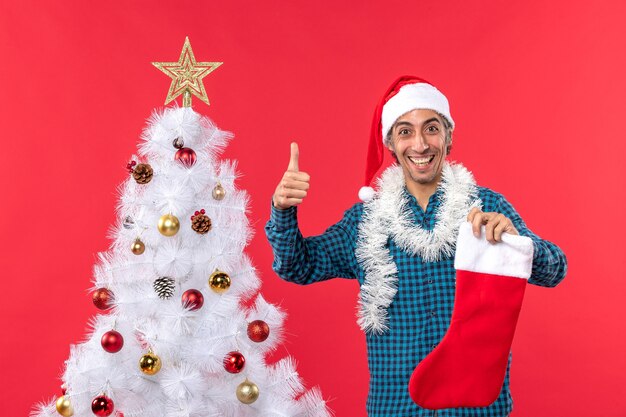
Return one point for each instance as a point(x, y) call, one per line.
point(421, 161)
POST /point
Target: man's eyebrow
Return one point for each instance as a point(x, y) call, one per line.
point(405, 123)
point(432, 119)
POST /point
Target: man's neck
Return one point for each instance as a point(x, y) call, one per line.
point(422, 192)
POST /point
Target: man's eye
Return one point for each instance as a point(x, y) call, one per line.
point(432, 129)
point(403, 132)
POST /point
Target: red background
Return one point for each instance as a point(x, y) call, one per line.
point(537, 92)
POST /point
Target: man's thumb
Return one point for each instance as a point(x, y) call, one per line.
point(293, 160)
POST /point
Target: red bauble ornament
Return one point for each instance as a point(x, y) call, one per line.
point(102, 406)
point(234, 362)
point(102, 298)
point(258, 331)
point(192, 299)
point(112, 341)
point(186, 156)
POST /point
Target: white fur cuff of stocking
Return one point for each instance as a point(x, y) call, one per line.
point(512, 257)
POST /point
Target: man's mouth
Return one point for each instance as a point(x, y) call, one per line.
point(421, 161)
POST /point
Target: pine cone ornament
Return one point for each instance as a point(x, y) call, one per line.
point(164, 287)
point(143, 173)
point(200, 222)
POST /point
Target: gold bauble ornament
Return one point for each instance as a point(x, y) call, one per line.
point(138, 247)
point(247, 392)
point(64, 406)
point(219, 192)
point(219, 281)
point(150, 363)
point(168, 225)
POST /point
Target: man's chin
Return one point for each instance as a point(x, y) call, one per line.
point(425, 178)
point(424, 181)
point(421, 178)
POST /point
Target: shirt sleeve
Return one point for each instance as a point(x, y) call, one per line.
point(549, 262)
point(316, 258)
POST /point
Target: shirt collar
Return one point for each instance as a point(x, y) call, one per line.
point(433, 201)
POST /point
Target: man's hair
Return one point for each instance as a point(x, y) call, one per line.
point(447, 126)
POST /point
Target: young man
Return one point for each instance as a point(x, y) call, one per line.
point(400, 243)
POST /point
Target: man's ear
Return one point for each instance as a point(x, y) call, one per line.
point(389, 144)
point(449, 147)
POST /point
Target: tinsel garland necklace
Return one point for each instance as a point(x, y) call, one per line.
point(388, 215)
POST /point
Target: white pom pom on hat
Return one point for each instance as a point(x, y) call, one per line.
point(405, 94)
point(366, 193)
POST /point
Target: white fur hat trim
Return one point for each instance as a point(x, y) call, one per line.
point(412, 97)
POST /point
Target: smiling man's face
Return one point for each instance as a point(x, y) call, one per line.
point(418, 139)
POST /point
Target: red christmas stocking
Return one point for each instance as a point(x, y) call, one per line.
point(468, 366)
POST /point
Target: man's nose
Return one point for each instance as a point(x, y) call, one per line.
point(419, 143)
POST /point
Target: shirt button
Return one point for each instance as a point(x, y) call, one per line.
point(434, 346)
point(430, 281)
point(432, 313)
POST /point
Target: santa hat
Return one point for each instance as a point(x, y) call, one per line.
point(405, 94)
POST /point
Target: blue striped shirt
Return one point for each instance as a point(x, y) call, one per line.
point(422, 308)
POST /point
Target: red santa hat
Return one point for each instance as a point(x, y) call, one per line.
point(405, 94)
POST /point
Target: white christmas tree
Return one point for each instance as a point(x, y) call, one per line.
point(176, 338)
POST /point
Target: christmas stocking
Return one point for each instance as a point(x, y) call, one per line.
point(468, 366)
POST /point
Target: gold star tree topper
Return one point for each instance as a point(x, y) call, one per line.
point(187, 75)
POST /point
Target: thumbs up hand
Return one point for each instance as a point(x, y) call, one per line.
point(294, 185)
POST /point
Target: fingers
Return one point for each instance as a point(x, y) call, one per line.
point(294, 185)
point(286, 185)
point(289, 192)
point(288, 188)
point(479, 218)
point(297, 176)
point(505, 226)
point(472, 213)
point(293, 159)
point(475, 218)
point(502, 226)
point(491, 225)
point(284, 203)
point(495, 225)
